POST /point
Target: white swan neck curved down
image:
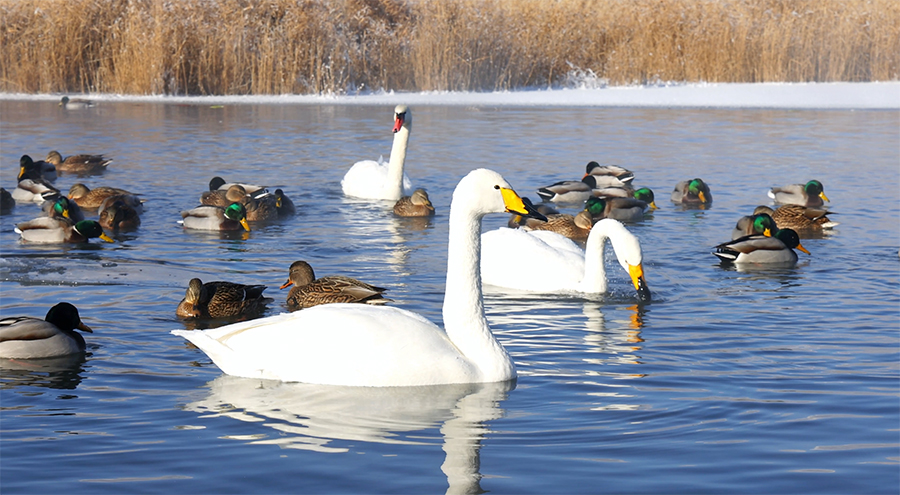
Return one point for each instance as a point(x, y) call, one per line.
point(363, 345)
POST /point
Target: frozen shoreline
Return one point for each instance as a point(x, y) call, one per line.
point(844, 96)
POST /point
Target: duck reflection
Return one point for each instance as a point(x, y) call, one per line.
point(63, 373)
point(312, 417)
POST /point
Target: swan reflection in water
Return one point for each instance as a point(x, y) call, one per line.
point(312, 417)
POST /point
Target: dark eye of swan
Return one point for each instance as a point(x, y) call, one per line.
point(496, 187)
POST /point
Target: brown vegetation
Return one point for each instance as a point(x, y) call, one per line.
point(206, 47)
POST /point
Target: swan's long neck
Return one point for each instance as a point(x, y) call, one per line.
point(594, 269)
point(464, 318)
point(393, 188)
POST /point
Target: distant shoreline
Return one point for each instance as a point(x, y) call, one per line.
point(842, 95)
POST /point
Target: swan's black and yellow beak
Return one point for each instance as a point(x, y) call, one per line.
point(640, 283)
point(519, 206)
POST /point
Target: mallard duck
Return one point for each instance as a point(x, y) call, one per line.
point(130, 200)
point(759, 222)
point(379, 345)
point(221, 300)
point(574, 191)
point(58, 205)
point(219, 184)
point(622, 209)
point(692, 192)
point(7, 203)
point(645, 194)
point(369, 179)
point(803, 218)
point(235, 193)
point(309, 291)
point(31, 186)
point(284, 204)
point(79, 164)
point(759, 248)
point(75, 103)
point(46, 230)
point(622, 174)
point(262, 208)
point(417, 205)
point(232, 217)
point(575, 227)
point(46, 171)
point(560, 265)
point(810, 194)
point(118, 216)
point(92, 198)
point(26, 337)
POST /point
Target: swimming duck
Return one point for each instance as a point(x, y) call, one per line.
point(92, 198)
point(221, 300)
point(75, 103)
point(417, 205)
point(118, 216)
point(622, 174)
point(79, 164)
point(309, 291)
point(46, 171)
point(31, 186)
point(46, 230)
point(25, 337)
point(206, 217)
point(810, 194)
point(759, 222)
point(575, 227)
point(560, 265)
point(803, 218)
point(130, 200)
point(369, 179)
point(622, 209)
point(7, 203)
point(692, 192)
point(574, 191)
point(378, 346)
point(284, 204)
point(58, 205)
point(235, 193)
point(645, 194)
point(759, 248)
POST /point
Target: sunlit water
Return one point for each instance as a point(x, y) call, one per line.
point(766, 381)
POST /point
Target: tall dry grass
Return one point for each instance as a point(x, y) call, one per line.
point(332, 46)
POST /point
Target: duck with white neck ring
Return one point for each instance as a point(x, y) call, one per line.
point(369, 179)
point(383, 346)
point(562, 266)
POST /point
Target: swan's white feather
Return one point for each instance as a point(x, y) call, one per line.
point(367, 178)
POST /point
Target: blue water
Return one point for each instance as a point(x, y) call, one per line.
point(759, 381)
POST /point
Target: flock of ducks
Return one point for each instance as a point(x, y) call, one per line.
point(346, 333)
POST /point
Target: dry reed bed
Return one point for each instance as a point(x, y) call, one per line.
point(222, 47)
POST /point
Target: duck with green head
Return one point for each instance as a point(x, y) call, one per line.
point(58, 206)
point(206, 217)
point(760, 222)
point(810, 194)
point(762, 249)
point(692, 192)
point(31, 186)
point(46, 230)
point(621, 209)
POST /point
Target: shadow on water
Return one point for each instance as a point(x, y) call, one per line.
point(62, 373)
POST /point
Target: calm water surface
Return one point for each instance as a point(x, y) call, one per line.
point(775, 381)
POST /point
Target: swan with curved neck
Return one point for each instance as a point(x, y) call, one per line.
point(362, 345)
point(369, 179)
point(561, 266)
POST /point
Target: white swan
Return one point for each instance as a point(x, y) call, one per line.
point(558, 264)
point(369, 179)
point(362, 345)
